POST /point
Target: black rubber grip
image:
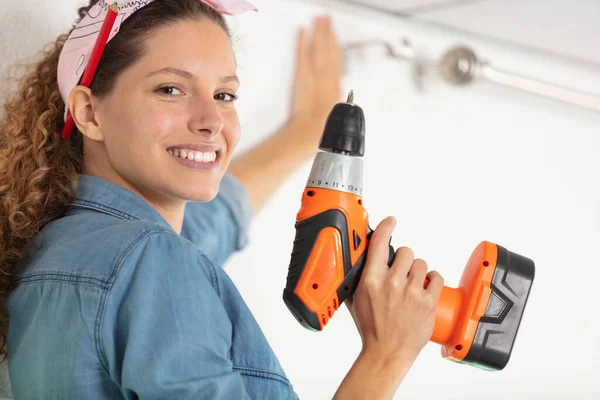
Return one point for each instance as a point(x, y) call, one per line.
point(307, 232)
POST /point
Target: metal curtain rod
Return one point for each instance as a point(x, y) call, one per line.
point(461, 66)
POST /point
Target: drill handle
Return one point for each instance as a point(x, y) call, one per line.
point(321, 275)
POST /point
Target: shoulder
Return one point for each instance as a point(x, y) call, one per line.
point(221, 226)
point(95, 246)
point(162, 252)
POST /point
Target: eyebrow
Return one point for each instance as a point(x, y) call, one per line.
point(189, 75)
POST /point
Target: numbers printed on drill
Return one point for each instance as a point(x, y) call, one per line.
point(335, 185)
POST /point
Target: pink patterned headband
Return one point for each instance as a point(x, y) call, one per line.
point(83, 48)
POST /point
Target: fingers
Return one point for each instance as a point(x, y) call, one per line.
point(403, 260)
point(436, 284)
point(445, 351)
point(417, 273)
point(329, 40)
point(319, 43)
point(377, 256)
point(334, 49)
point(325, 49)
point(302, 51)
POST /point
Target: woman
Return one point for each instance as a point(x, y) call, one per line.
point(111, 240)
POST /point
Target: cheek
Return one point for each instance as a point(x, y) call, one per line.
point(232, 132)
point(138, 126)
point(157, 122)
point(133, 137)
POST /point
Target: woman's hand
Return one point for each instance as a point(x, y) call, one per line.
point(316, 91)
point(393, 312)
point(317, 83)
point(395, 316)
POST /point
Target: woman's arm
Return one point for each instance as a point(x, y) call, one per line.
point(265, 167)
point(373, 377)
point(316, 91)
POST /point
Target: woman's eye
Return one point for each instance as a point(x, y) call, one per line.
point(169, 91)
point(226, 97)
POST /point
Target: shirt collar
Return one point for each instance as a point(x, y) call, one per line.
point(101, 195)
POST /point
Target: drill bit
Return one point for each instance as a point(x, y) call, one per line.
point(350, 97)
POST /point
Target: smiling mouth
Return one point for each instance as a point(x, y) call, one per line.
point(195, 155)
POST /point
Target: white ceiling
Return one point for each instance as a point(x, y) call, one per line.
point(565, 27)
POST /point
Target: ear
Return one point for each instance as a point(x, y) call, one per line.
point(83, 109)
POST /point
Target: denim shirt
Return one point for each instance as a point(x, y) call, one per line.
point(112, 303)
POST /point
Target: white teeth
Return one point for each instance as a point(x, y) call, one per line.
point(197, 156)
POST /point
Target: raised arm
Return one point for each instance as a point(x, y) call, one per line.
point(316, 91)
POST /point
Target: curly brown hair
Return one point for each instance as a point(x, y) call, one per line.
point(38, 169)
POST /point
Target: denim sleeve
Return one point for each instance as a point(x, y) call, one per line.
point(219, 227)
point(165, 333)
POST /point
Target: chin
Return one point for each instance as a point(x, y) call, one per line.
point(201, 194)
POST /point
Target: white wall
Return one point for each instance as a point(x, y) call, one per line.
point(454, 166)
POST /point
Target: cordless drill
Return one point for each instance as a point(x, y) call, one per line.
point(477, 322)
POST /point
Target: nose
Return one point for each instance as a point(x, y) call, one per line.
point(206, 118)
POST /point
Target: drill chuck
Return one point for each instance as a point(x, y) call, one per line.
point(345, 130)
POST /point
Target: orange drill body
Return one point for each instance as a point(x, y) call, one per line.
point(460, 310)
point(325, 270)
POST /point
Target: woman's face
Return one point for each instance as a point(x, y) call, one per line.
point(170, 124)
